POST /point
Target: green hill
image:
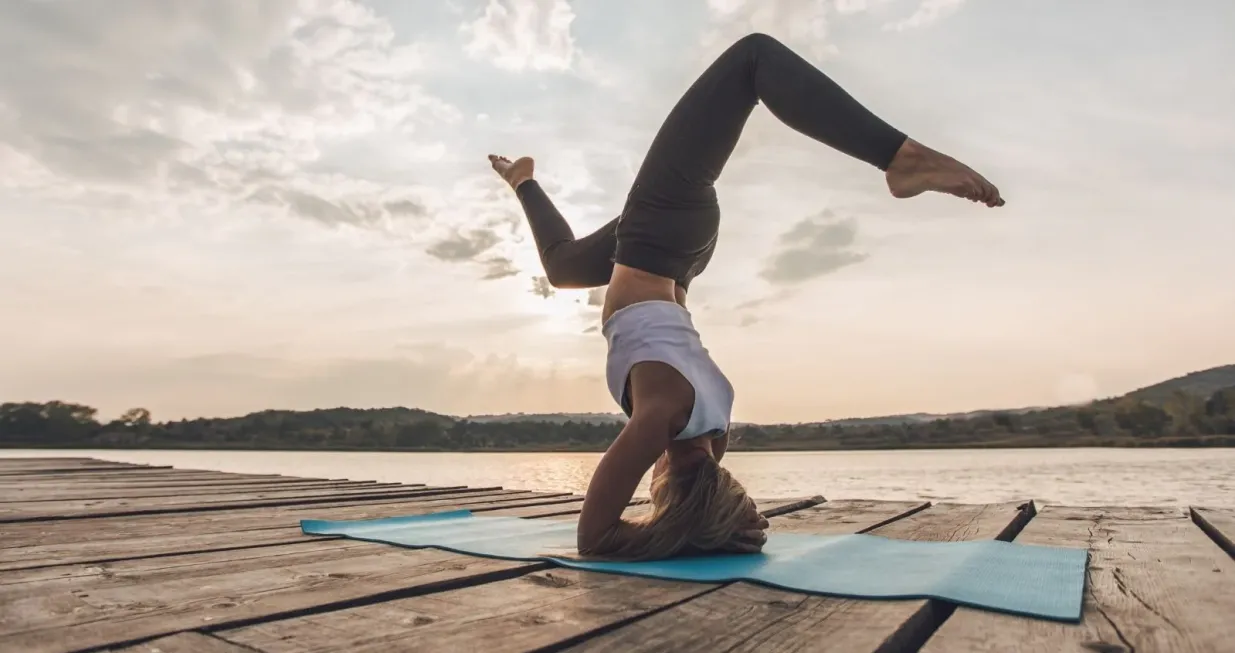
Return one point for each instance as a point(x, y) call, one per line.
point(1195, 410)
point(551, 418)
point(1197, 384)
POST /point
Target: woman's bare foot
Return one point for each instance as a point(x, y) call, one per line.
point(514, 172)
point(917, 169)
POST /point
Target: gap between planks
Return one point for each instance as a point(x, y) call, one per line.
point(1219, 525)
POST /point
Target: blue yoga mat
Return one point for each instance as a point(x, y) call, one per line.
point(1034, 581)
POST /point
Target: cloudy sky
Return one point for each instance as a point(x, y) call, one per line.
point(209, 207)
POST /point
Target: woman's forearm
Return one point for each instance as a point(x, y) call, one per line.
point(631, 455)
point(720, 445)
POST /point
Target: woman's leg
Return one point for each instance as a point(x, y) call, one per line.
point(569, 262)
point(701, 131)
point(671, 213)
point(672, 216)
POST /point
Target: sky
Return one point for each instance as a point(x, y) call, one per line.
point(212, 207)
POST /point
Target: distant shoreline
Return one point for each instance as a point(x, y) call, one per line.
point(1213, 442)
point(1195, 411)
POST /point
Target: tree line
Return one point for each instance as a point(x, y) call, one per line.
point(1181, 420)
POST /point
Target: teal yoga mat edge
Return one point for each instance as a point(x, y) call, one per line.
point(320, 526)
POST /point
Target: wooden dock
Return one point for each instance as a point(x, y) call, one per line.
point(104, 556)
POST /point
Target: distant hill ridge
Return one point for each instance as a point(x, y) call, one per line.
point(554, 418)
point(1181, 412)
point(1200, 384)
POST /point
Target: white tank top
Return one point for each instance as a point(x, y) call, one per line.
point(663, 331)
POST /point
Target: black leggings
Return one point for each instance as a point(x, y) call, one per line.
point(671, 218)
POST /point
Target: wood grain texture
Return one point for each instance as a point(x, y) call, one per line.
point(86, 491)
point(66, 608)
point(190, 642)
point(749, 617)
point(539, 609)
point(847, 516)
point(238, 519)
point(46, 460)
point(1156, 583)
point(78, 509)
point(257, 530)
point(114, 484)
point(121, 602)
point(1219, 525)
point(17, 466)
point(777, 507)
point(88, 494)
point(120, 473)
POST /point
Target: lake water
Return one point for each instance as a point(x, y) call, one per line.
point(1080, 477)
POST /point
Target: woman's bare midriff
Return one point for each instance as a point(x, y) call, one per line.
point(630, 286)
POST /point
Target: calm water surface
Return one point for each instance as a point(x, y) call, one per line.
point(1080, 477)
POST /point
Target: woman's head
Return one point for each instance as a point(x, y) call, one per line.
point(697, 506)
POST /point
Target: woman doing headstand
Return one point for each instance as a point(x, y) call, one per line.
point(658, 371)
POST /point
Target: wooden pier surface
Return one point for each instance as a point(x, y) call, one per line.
point(104, 556)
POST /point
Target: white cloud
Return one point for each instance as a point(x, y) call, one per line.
point(813, 247)
point(927, 12)
point(802, 25)
point(807, 25)
point(523, 35)
point(205, 104)
point(432, 376)
point(292, 194)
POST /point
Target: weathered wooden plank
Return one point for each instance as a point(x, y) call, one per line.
point(37, 465)
point(134, 474)
point(749, 617)
point(196, 478)
point(93, 611)
point(1155, 583)
point(95, 606)
point(18, 461)
point(848, 516)
point(35, 461)
point(541, 609)
point(775, 507)
point(237, 519)
point(88, 493)
point(1219, 525)
point(46, 510)
point(105, 473)
point(272, 529)
point(72, 472)
point(190, 642)
point(186, 486)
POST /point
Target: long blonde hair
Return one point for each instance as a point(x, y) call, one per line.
point(694, 510)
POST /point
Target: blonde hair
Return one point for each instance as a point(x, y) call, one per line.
point(694, 510)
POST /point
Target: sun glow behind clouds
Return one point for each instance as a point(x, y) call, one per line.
point(566, 312)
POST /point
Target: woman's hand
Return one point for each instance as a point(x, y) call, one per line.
point(751, 538)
